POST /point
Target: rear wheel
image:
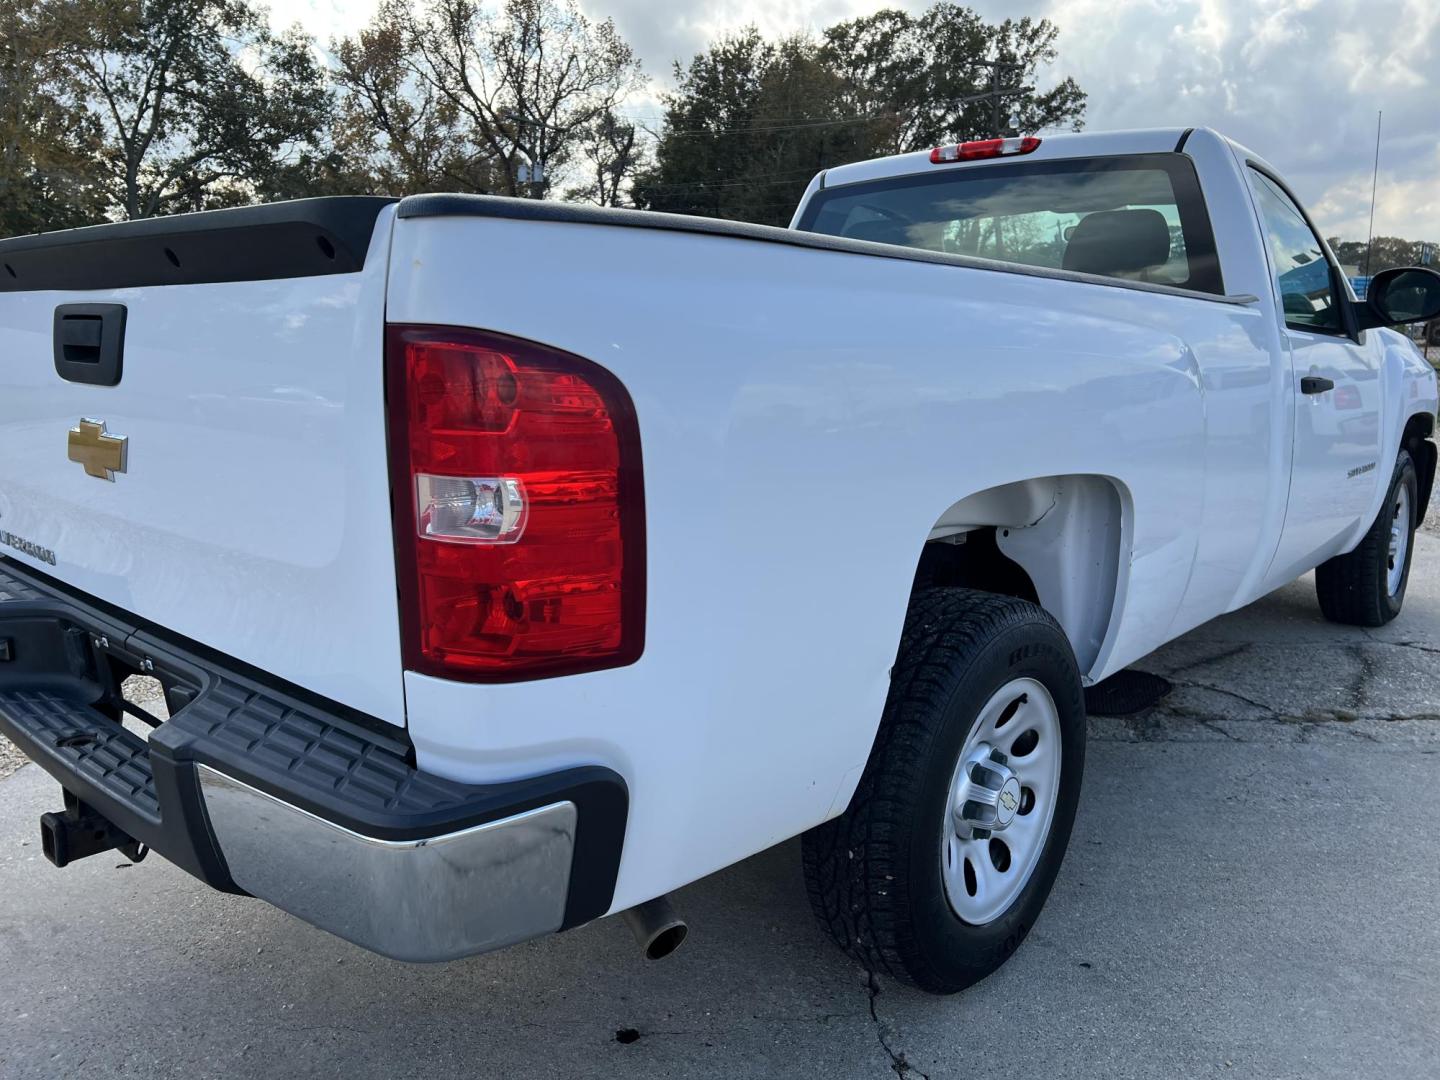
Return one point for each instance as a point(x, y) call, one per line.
point(941, 864)
point(1366, 587)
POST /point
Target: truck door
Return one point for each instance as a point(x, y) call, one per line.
point(1336, 462)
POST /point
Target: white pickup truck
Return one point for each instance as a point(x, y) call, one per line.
point(507, 564)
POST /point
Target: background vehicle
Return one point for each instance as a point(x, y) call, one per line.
point(508, 564)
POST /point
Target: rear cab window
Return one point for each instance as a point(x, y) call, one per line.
point(1134, 218)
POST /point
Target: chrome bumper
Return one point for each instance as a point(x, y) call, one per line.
point(436, 898)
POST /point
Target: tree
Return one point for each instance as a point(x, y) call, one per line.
point(45, 142)
point(1387, 253)
point(395, 132)
point(197, 102)
point(611, 153)
point(933, 75)
point(751, 121)
point(490, 100)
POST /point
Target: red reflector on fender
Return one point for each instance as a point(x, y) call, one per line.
point(518, 507)
point(983, 148)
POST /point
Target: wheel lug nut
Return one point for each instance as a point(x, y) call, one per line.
point(980, 834)
point(998, 758)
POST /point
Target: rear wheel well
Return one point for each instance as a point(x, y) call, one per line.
point(1053, 540)
point(972, 560)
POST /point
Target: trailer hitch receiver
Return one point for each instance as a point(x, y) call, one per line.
point(78, 832)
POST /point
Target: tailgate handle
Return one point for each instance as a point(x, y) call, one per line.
point(90, 343)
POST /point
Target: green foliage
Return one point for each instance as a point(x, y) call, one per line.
point(197, 102)
point(748, 125)
point(921, 72)
point(1387, 253)
point(751, 121)
point(129, 108)
point(46, 142)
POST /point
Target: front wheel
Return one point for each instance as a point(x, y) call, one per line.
point(939, 867)
point(1366, 587)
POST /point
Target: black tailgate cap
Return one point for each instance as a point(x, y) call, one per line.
point(300, 238)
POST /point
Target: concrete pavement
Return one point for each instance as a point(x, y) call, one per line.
point(1251, 891)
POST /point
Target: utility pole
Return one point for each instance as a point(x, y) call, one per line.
point(995, 99)
point(997, 93)
point(531, 174)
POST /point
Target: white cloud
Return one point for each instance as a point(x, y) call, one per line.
point(1298, 81)
point(322, 18)
point(1404, 206)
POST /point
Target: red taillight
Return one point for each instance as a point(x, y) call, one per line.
point(519, 507)
point(983, 148)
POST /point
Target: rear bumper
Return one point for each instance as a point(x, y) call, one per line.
point(256, 788)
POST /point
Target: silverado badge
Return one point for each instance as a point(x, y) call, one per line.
point(102, 454)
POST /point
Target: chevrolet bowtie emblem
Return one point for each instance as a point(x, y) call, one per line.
point(102, 454)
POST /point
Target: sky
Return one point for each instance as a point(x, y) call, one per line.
point(1297, 81)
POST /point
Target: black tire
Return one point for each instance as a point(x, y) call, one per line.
point(874, 873)
point(1354, 588)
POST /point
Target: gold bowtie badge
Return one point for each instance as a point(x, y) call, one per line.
point(102, 454)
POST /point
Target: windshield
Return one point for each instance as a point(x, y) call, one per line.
point(1134, 218)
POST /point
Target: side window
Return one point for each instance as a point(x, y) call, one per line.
point(1307, 286)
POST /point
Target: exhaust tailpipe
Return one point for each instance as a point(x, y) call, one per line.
point(657, 927)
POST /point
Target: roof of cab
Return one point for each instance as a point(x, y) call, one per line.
point(1064, 145)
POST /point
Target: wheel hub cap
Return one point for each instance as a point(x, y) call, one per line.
point(989, 795)
point(1002, 801)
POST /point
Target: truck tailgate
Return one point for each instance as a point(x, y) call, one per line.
point(253, 513)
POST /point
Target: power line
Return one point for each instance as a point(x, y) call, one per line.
point(793, 176)
point(754, 120)
point(765, 127)
point(995, 95)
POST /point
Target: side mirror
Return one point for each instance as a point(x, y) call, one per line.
point(1404, 295)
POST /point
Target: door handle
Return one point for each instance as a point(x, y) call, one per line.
point(90, 343)
point(1315, 384)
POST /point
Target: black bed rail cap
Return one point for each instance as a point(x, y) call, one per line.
point(497, 206)
point(503, 206)
point(299, 238)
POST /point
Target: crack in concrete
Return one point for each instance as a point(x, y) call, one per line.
point(1227, 693)
point(1418, 646)
point(899, 1065)
point(1211, 725)
point(1363, 676)
point(1151, 725)
point(1205, 660)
